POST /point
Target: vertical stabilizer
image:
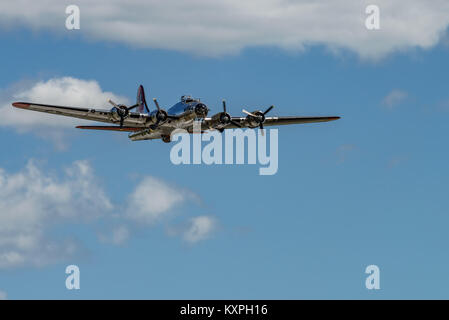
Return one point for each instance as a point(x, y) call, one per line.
point(140, 101)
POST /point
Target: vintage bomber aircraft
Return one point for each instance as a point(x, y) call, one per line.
point(159, 124)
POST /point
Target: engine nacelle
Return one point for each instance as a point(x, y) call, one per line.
point(220, 120)
point(120, 112)
point(223, 118)
point(160, 116)
point(201, 110)
point(254, 122)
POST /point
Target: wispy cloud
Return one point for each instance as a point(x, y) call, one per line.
point(228, 26)
point(200, 228)
point(31, 202)
point(34, 202)
point(194, 230)
point(3, 295)
point(118, 235)
point(65, 91)
point(153, 199)
point(394, 98)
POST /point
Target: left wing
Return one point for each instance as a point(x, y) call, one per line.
point(133, 119)
point(111, 128)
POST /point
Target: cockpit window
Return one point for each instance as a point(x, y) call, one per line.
point(187, 99)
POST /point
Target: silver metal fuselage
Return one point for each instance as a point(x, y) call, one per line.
point(184, 111)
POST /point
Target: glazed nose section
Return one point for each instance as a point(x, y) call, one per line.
point(201, 110)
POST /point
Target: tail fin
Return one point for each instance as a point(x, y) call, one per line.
point(142, 103)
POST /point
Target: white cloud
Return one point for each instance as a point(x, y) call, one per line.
point(394, 98)
point(32, 201)
point(195, 229)
point(65, 91)
point(227, 26)
point(199, 228)
point(117, 236)
point(3, 295)
point(153, 198)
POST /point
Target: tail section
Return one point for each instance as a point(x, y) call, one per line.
point(140, 101)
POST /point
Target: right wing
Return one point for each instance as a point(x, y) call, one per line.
point(269, 121)
point(277, 121)
point(285, 120)
point(134, 119)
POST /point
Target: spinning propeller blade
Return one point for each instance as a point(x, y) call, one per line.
point(249, 113)
point(113, 103)
point(157, 104)
point(230, 118)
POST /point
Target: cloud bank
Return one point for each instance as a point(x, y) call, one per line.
point(34, 203)
point(227, 26)
point(31, 202)
point(65, 91)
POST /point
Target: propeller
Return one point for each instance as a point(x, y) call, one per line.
point(161, 114)
point(122, 110)
point(258, 116)
point(225, 117)
point(157, 104)
point(119, 106)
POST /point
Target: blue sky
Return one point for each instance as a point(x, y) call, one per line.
point(370, 188)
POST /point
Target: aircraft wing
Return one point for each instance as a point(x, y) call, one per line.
point(111, 128)
point(134, 119)
point(276, 121)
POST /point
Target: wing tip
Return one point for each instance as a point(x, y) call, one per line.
point(332, 118)
point(21, 105)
